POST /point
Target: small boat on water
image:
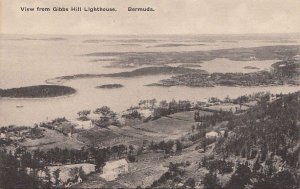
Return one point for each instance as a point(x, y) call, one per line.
point(19, 106)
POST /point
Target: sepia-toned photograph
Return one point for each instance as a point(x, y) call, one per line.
point(175, 94)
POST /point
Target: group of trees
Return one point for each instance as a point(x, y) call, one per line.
point(265, 133)
point(15, 175)
point(174, 174)
point(244, 176)
point(23, 170)
point(82, 115)
point(56, 155)
point(20, 169)
point(216, 117)
point(105, 117)
point(132, 113)
point(149, 104)
point(268, 128)
point(167, 108)
point(168, 147)
point(216, 165)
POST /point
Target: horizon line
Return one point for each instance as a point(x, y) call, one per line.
point(165, 34)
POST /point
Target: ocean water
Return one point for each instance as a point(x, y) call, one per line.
point(30, 60)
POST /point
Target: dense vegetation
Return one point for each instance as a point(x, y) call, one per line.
point(166, 108)
point(259, 149)
point(268, 136)
point(271, 128)
point(20, 169)
point(39, 91)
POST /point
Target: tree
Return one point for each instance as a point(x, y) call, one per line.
point(74, 172)
point(131, 149)
point(240, 178)
point(83, 114)
point(193, 128)
point(121, 149)
point(48, 183)
point(56, 175)
point(285, 180)
point(168, 146)
point(152, 102)
point(173, 106)
point(81, 173)
point(163, 104)
point(256, 165)
point(100, 160)
point(190, 183)
point(211, 181)
point(104, 110)
point(131, 158)
point(179, 146)
point(226, 134)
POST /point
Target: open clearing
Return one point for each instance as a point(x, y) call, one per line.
point(52, 139)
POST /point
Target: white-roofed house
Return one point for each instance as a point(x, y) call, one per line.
point(214, 134)
point(83, 124)
point(113, 169)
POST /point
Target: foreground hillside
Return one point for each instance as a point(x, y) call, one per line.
point(248, 142)
point(260, 150)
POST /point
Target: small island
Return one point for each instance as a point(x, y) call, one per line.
point(37, 91)
point(251, 68)
point(110, 86)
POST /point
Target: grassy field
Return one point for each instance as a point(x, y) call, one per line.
point(52, 139)
point(165, 128)
point(228, 107)
point(188, 116)
point(173, 128)
point(144, 174)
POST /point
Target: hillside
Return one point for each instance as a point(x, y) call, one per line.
point(259, 150)
point(267, 137)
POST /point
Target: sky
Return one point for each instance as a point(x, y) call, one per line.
point(170, 17)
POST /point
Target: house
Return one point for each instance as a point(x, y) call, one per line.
point(146, 113)
point(297, 57)
point(113, 169)
point(83, 124)
point(2, 135)
point(121, 120)
point(214, 134)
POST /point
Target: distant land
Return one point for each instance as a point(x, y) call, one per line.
point(38, 91)
point(110, 86)
point(279, 52)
